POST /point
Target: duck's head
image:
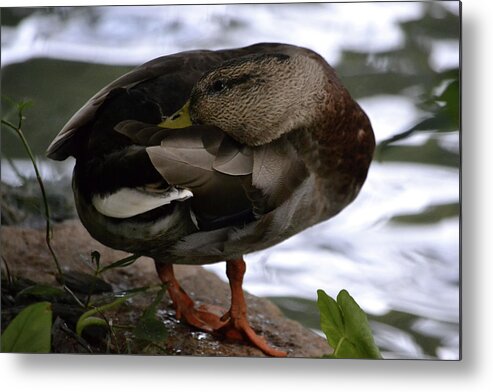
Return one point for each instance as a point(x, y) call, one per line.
point(258, 98)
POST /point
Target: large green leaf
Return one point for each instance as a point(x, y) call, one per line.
point(346, 327)
point(29, 331)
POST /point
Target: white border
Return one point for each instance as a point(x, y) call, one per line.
point(473, 373)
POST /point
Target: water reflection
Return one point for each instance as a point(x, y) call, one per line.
point(123, 35)
point(396, 249)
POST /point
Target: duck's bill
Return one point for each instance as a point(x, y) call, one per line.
point(179, 119)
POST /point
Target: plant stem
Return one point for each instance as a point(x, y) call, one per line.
point(19, 132)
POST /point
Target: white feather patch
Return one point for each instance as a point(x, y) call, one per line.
point(128, 202)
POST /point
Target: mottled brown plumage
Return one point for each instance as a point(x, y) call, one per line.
point(276, 144)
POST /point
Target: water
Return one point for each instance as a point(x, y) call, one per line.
point(396, 248)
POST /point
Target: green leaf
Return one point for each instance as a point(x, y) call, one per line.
point(40, 291)
point(330, 318)
point(444, 113)
point(451, 98)
point(23, 105)
point(88, 321)
point(357, 326)
point(87, 318)
point(149, 328)
point(29, 331)
point(346, 327)
point(95, 258)
point(125, 262)
point(80, 282)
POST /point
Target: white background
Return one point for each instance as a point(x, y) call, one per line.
point(473, 373)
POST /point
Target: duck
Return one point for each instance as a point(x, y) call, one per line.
point(205, 156)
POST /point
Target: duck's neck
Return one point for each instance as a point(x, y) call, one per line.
point(338, 152)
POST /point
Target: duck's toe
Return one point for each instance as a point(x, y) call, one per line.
point(238, 328)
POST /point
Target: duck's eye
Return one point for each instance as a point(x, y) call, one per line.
point(218, 86)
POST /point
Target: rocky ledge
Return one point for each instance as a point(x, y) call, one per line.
point(25, 253)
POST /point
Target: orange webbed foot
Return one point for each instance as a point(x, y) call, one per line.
point(239, 329)
point(184, 306)
point(236, 324)
point(233, 324)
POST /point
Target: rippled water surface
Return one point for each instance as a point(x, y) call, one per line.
point(396, 248)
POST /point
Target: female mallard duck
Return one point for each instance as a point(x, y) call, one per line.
point(269, 143)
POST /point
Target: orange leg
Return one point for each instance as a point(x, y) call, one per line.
point(184, 305)
point(236, 323)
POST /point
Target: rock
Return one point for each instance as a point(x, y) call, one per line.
point(23, 205)
point(25, 252)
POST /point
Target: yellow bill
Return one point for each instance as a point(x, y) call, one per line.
point(179, 119)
